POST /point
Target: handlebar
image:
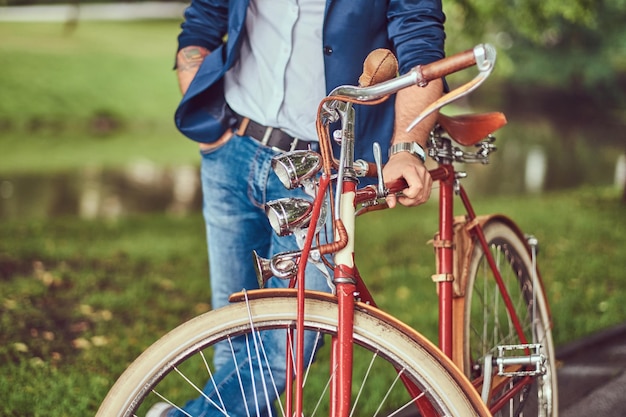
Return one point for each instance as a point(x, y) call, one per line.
point(482, 55)
point(369, 194)
point(447, 66)
point(338, 104)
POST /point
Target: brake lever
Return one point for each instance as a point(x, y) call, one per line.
point(381, 190)
point(485, 55)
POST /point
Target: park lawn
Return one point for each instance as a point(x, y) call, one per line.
point(101, 94)
point(82, 298)
point(121, 69)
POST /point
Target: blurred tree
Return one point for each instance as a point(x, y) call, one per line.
point(561, 43)
point(572, 53)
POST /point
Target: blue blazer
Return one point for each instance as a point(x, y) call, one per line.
point(413, 29)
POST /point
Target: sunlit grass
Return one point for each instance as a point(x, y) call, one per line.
point(102, 94)
point(81, 299)
point(117, 68)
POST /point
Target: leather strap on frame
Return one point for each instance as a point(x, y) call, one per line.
point(463, 247)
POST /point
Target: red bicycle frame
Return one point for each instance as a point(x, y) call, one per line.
point(350, 286)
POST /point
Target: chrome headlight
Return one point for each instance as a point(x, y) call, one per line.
point(292, 168)
point(287, 214)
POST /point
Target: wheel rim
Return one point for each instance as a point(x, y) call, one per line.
point(389, 347)
point(489, 324)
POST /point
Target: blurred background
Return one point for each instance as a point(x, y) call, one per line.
point(101, 239)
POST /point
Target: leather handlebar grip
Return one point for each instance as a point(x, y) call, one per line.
point(447, 66)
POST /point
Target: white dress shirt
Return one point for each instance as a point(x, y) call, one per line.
point(279, 78)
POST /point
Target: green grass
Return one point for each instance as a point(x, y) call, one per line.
point(48, 153)
point(81, 299)
point(118, 68)
point(102, 94)
point(582, 256)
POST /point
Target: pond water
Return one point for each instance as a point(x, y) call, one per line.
point(144, 187)
point(141, 187)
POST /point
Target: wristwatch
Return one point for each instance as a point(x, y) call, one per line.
point(413, 148)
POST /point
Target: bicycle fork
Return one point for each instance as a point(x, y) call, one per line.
point(348, 285)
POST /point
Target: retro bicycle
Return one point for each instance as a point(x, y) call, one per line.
point(495, 354)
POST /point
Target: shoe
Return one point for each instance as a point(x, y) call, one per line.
point(159, 410)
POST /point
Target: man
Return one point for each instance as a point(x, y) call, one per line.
point(252, 73)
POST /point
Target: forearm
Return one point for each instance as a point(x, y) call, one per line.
point(188, 61)
point(409, 104)
point(417, 32)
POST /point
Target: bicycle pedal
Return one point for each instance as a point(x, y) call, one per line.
point(511, 365)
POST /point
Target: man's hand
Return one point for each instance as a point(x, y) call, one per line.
point(409, 103)
point(412, 169)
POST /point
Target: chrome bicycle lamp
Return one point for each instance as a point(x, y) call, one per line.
point(287, 214)
point(294, 168)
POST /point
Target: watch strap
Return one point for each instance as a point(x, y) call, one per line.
point(413, 148)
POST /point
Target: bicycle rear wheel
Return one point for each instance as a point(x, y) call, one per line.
point(174, 366)
point(488, 322)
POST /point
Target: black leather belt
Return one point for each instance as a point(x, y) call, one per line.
point(270, 136)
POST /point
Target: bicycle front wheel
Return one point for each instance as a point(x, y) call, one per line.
point(177, 366)
point(489, 323)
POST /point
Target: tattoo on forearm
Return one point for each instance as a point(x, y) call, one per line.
point(190, 58)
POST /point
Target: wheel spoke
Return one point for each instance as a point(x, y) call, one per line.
point(381, 349)
point(487, 311)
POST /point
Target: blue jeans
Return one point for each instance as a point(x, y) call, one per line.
point(237, 181)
